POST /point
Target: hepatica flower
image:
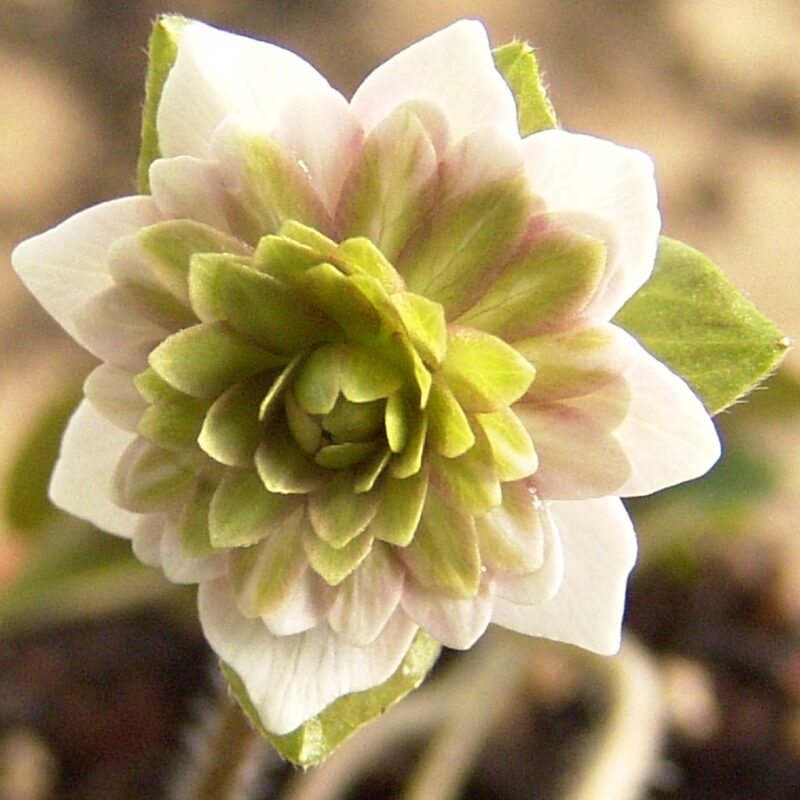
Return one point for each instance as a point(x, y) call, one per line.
point(359, 375)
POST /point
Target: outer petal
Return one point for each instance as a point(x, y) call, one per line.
point(667, 435)
point(292, 678)
point(180, 568)
point(304, 608)
point(578, 173)
point(113, 394)
point(81, 482)
point(66, 266)
point(217, 74)
point(599, 552)
point(455, 622)
point(452, 68)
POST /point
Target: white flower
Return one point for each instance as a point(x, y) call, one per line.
point(359, 372)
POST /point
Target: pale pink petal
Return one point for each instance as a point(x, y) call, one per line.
point(667, 436)
point(367, 599)
point(217, 74)
point(455, 622)
point(599, 552)
point(293, 678)
point(304, 608)
point(65, 266)
point(190, 188)
point(322, 131)
point(579, 455)
point(454, 69)
point(578, 173)
point(181, 568)
point(541, 585)
point(81, 481)
point(112, 393)
point(146, 539)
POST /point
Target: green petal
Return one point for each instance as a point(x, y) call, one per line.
point(424, 320)
point(367, 376)
point(517, 64)
point(390, 189)
point(265, 575)
point(149, 478)
point(360, 256)
point(471, 480)
point(153, 388)
point(444, 552)
point(371, 469)
point(306, 430)
point(400, 509)
point(690, 317)
point(510, 536)
point(448, 427)
point(397, 421)
point(162, 51)
point(338, 514)
point(465, 238)
point(512, 450)
point(354, 422)
point(483, 372)
point(169, 247)
point(317, 738)
point(174, 424)
point(193, 519)
point(409, 461)
point(231, 430)
point(347, 454)
point(278, 391)
point(254, 304)
point(551, 281)
point(285, 468)
point(285, 259)
point(334, 564)
point(242, 511)
point(317, 384)
point(206, 359)
point(272, 185)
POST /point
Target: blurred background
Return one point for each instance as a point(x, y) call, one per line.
point(94, 683)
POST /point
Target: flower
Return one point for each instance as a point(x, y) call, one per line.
point(359, 375)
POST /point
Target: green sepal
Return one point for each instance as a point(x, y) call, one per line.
point(204, 360)
point(550, 281)
point(690, 316)
point(265, 575)
point(334, 564)
point(319, 736)
point(483, 372)
point(444, 554)
point(466, 236)
point(243, 512)
point(339, 514)
point(516, 62)
point(395, 522)
point(162, 51)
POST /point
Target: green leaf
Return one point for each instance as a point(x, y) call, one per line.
point(317, 738)
point(162, 52)
point(690, 316)
point(517, 64)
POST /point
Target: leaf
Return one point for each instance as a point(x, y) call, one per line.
point(690, 316)
point(317, 738)
point(516, 62)
point(162, 52)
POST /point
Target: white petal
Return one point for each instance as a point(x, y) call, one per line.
point(180, 568)
point(65, 266)
point(304, 608)
point(293, 678)
point(326, 150)
point(81, 482)
point(541, 585)
point(189, 188)
point(578, 173)
point(146, 539)
point(112, 393)
point(455, 622)
point(599, 552)
point(453, 69)
point(367, 599)
point(217, 74)
point(667, 435)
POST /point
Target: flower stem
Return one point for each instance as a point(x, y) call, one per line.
point(227, 757)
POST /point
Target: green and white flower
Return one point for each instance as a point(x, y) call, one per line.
point(359, 376)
